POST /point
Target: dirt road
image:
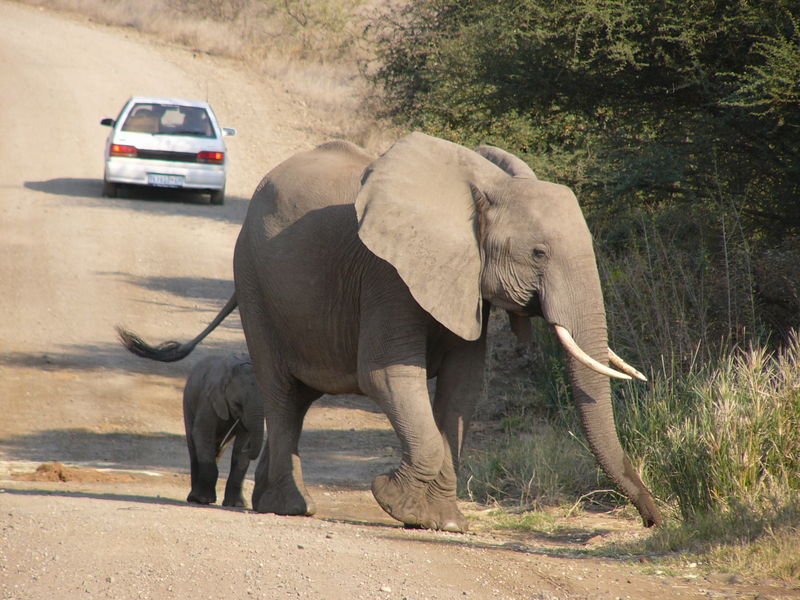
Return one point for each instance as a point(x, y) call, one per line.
point(74, 264)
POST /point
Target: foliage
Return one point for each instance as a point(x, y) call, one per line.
point(686, 282)
point(771, 86)
point(721, 436)
point(630, 102)
point(531, 466)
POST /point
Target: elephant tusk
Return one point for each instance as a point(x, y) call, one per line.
point(623, 366)
point(571, 346)
point(228, 437)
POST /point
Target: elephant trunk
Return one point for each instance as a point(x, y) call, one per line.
point(253, 420)
point(253, 412)
point(592, 394)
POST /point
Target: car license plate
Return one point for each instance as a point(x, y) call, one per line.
point(164, 180)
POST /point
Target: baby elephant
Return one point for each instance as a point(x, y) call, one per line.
point(221, 401)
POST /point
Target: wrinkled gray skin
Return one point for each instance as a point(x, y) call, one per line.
point(215, 401)
point(357, 274)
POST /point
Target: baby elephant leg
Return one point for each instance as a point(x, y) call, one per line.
point(204, 471)
point(240, 461)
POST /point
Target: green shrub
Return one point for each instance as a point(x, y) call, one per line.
point(630, 103)
point(723, 436)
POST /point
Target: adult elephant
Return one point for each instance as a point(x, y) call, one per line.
point(357, 274)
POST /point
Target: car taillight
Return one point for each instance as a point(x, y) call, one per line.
point(216, 158)
point(123, 150)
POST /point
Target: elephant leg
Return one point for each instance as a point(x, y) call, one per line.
point(194, 466)
point(414, 492)
point(202, 452)
point(392, 369)
point(280, 488)
point(240, 461)
point(459, 385)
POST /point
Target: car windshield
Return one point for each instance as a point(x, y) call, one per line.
point(164, 119)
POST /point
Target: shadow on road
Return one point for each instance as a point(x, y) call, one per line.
point(204, 298)
point(533, 542)
point(143, 199)
point(113, 357)
point(74, 187)
point(104, 496)
point(116, 450)
point(195, 288)
point(565, 543)
point(331, 458)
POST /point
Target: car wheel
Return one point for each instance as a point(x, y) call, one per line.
point(218, 196)
point(110, 189)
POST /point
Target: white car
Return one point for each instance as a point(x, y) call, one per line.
point(166, 142)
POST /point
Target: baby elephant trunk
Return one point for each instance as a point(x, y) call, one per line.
point(253, 413)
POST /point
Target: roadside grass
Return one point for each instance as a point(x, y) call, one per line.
point(742, 541)
point(719, 446)
point(720, 436)
point(534, 465)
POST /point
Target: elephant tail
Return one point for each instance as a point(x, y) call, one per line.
point(172, 351)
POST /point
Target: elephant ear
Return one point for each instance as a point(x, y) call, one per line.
point(512, 165)
point(417, 210)
point(216, 390)
point(219, 403)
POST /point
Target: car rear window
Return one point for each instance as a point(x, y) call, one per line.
point(164, 119)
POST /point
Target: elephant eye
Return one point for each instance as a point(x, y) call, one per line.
point(539, 252)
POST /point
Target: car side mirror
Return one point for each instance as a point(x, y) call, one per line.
point(228, 131)
point(108, 122)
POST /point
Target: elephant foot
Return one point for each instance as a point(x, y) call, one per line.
point(201, 497)
point(234, 500)
point(285, 499)
point(418, 504)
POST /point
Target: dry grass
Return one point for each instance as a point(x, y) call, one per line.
point(312, 48)
point(535, 466)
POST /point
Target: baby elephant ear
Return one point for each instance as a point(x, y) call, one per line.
point(215, 386)
point(512, 165)
point(416, 211)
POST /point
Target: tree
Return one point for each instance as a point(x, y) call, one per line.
point(631, 102)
